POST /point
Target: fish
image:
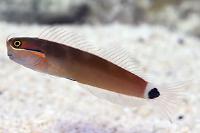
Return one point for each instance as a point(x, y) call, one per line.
point(110, 73)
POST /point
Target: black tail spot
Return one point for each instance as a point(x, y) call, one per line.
point(154, 93)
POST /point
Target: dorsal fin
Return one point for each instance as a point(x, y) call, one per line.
point(116, 55)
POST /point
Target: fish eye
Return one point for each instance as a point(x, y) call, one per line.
point(17, 43)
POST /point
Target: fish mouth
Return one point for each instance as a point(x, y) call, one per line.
point(10, 56)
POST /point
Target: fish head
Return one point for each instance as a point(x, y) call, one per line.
point(28, 52)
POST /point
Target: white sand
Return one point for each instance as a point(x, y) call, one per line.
point(37, 103)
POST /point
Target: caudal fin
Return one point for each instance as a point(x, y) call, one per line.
point(166, 99)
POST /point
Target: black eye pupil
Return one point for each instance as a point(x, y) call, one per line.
point(154, 93)
point(17, 43)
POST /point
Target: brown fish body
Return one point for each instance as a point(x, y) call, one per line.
point(92, 70)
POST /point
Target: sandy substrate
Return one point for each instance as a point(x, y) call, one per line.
point(32, 102)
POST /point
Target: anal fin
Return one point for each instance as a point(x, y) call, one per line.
point(113, 97)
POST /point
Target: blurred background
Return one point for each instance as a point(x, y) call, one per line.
point(162, 35)
point(175, 14)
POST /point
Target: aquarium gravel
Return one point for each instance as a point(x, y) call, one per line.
point(31, 102)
